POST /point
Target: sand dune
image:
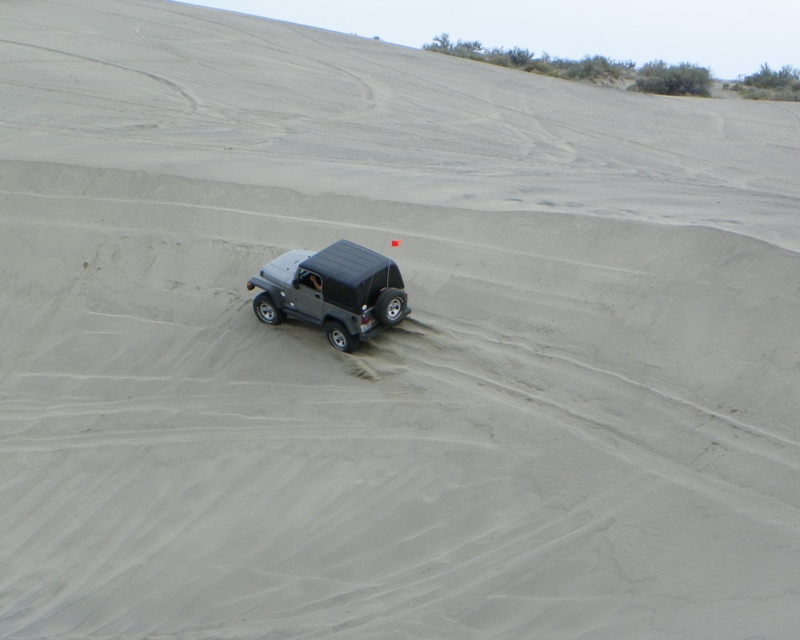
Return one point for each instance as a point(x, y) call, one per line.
point(587, 428)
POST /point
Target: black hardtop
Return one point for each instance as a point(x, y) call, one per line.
point(347, 262)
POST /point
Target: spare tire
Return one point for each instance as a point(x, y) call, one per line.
point(391, 306)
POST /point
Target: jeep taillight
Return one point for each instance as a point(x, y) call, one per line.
point(366, 318)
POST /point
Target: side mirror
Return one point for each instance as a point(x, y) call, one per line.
point(295, 284)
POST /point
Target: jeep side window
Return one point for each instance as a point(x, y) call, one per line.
point(310, 280)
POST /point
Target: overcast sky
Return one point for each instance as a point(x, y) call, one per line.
point(731, 37)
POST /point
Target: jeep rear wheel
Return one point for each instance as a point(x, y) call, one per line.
point(391, 305)
point(266, 311)
point(339, 337)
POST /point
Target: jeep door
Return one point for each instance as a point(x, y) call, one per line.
point(308, 300)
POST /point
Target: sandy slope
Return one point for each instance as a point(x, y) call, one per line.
point(587, 429)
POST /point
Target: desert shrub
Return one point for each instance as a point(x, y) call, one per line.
point(442, 43)
point(787, 95)
point(676, 80)
point(519, 57)
point(469, 49)
point(768, 84)
point(592, 68)
point(498, 57)
point(541, 65)
point(515, 58)
point(755, 93)
point(555, 67)
point(653, 77)
point(785, 78)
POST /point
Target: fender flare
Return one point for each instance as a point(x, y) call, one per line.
point(273, 290)
point(345, 317)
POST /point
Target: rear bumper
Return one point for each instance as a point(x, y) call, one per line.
point(378, 329)
point(372, 333)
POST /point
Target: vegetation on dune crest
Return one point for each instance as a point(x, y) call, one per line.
point(684, 79)
point(597, 69)
point(768, 84)
point(676, 80)
point(516, 58)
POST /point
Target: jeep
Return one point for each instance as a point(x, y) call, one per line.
point(351, 291)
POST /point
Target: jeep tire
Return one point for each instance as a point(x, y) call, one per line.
point(266, 311)
point(339, 337)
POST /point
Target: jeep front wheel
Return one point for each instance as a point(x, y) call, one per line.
point(266, 311)
point(339, 337)
point(390, 306)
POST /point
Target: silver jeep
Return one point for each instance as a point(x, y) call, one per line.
point(351, 291)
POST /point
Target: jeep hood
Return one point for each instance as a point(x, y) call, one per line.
point(282, 269)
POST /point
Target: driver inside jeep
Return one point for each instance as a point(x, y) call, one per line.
point(311, 280)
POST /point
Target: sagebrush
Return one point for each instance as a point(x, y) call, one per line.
point(684, 79)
